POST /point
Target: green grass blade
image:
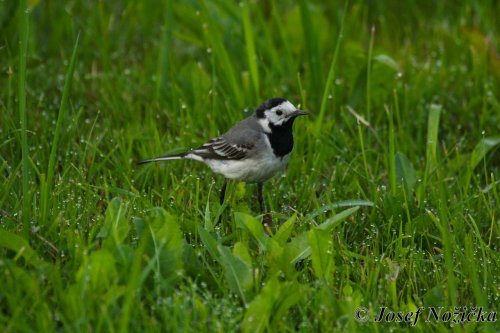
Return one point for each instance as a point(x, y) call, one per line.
point(470, 260)
point(478, 154)
point(441, 224)
point(19, 245)
point(63, 110)
point(340, 204)
point(250, 49)
point(431, 145)
point(331, 73)
point(369, 75)
point(392, 153)
point(432, 131)
point(23, 52)
point(162, 67)
point(481, 149)
point(227, 70)
point(133, 283)
point(311, 48)
point(405, 171)
point(333, 221)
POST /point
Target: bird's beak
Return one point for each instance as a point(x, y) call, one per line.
point(297, 113)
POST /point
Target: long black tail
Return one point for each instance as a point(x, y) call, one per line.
point(163, 158)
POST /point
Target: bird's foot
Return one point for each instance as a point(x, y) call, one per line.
point(267, 221)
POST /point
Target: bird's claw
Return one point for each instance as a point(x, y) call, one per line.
point(267, 221)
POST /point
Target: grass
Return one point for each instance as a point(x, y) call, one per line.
point(390, 199)
point(23, 45)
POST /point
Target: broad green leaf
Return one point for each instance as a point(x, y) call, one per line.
point(19, 245)
point(165, 241)
point(285, 230)
point(405, 171)
point(292, 292)
point(272, 304)
point(240, 250)
point(238, 274)
point(115, 223)
point(297, 249)
point(99, 270)
point(334, 220)
point(321, 245)
point(481, 149)
point(260, 309)
point(340, 204)
point(254, 226)
point(209, 242)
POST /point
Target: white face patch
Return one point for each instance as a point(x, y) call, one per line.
point(277, 115)
point(264, 122)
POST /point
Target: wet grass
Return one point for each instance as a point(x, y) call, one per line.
point(390, 199)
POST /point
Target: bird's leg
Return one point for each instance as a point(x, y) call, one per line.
point(267, 220)
point(259, 197)
point(223, 191)
point(222, 197)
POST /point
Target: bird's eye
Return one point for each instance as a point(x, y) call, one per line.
point(279, 112)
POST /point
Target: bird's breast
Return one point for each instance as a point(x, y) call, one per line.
point(281, 139)
point(250, 170)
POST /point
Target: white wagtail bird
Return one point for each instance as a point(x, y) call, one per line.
point(253, 151)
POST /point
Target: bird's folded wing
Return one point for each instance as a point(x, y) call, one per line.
point(220, 149)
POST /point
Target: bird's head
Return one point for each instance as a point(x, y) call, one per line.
point(277, 112)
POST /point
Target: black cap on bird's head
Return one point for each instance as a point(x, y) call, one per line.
point(277, 112)
point(269, 104)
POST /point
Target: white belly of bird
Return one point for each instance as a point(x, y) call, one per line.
point(249, 170)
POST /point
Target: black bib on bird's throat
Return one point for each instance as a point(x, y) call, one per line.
point(281, 138)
